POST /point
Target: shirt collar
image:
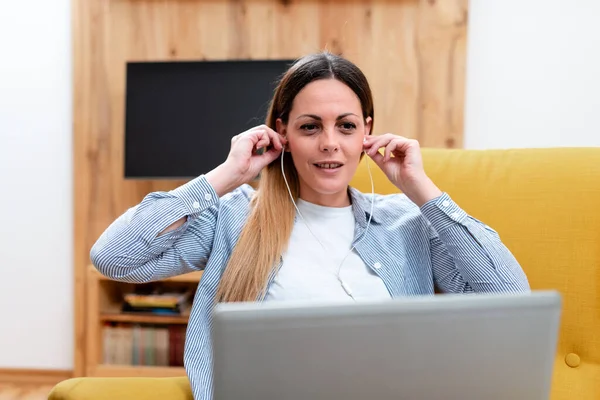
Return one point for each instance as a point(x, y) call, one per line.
point(361, 205)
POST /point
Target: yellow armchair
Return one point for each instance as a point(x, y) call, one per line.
point(545, 204)
point(122, 389)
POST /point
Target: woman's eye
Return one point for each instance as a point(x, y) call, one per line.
point(348, 126)
point(308, 127)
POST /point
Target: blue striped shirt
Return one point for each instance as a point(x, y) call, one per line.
point(414, 250)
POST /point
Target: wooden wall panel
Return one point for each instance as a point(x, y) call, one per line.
point(412, 51)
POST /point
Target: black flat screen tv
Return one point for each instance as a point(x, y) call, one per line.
point(180, 116)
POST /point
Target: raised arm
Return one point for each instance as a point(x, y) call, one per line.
point(167, 234)
point(171, 233)
point(467, 255)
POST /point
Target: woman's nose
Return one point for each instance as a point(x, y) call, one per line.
point(329, 142)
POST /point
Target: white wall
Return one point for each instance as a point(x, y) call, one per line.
point(533, 80)
point(36, 278)
point(533, 74)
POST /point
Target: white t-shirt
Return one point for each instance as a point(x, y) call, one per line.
point(310, 273)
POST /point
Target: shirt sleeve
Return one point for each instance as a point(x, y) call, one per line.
point(467, 255)
point(131, 250)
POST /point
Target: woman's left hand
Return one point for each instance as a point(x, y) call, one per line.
point(402, 163)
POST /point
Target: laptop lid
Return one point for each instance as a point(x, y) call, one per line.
point(435, 347)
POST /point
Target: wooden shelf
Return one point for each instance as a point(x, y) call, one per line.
point(144, 318)
point(104, 301)
point(106, 370)
point(191, 277)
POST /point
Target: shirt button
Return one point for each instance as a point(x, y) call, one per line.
point(454, 215)
point(377, 265)
point(446, 203)
point(196, 205)
point(207, 196)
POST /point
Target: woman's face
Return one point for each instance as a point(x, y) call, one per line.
point(325, 132)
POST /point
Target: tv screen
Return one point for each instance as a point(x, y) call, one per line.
point(180, 116)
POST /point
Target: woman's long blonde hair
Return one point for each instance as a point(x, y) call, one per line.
point(266, 233)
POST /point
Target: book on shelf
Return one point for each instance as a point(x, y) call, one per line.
point(157, 302)
point(143, 345)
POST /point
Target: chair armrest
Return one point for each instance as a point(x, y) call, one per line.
point(177, 388)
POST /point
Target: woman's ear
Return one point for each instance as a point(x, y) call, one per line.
point(281, 129)
point(368, 124)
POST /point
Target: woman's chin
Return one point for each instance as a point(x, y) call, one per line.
point(329, 186)
point(326, 183)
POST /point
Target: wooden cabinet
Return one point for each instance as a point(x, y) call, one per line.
point(121, 343)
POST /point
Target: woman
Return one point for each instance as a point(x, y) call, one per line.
point(338, 244)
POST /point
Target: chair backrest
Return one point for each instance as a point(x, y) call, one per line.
point(545, 204)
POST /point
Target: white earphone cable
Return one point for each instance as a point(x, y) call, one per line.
point(346, 288)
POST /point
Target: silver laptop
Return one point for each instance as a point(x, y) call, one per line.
point(436, 347)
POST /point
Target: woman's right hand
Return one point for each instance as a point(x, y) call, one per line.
point(245, 160)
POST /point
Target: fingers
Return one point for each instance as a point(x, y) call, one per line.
point(263, 141)
point(378, 158)
point(270, 155)
point(391, 146)
point(394, 145)
point(275, 144)
point(374, 143)
point(269, 137)
point(260, 137)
